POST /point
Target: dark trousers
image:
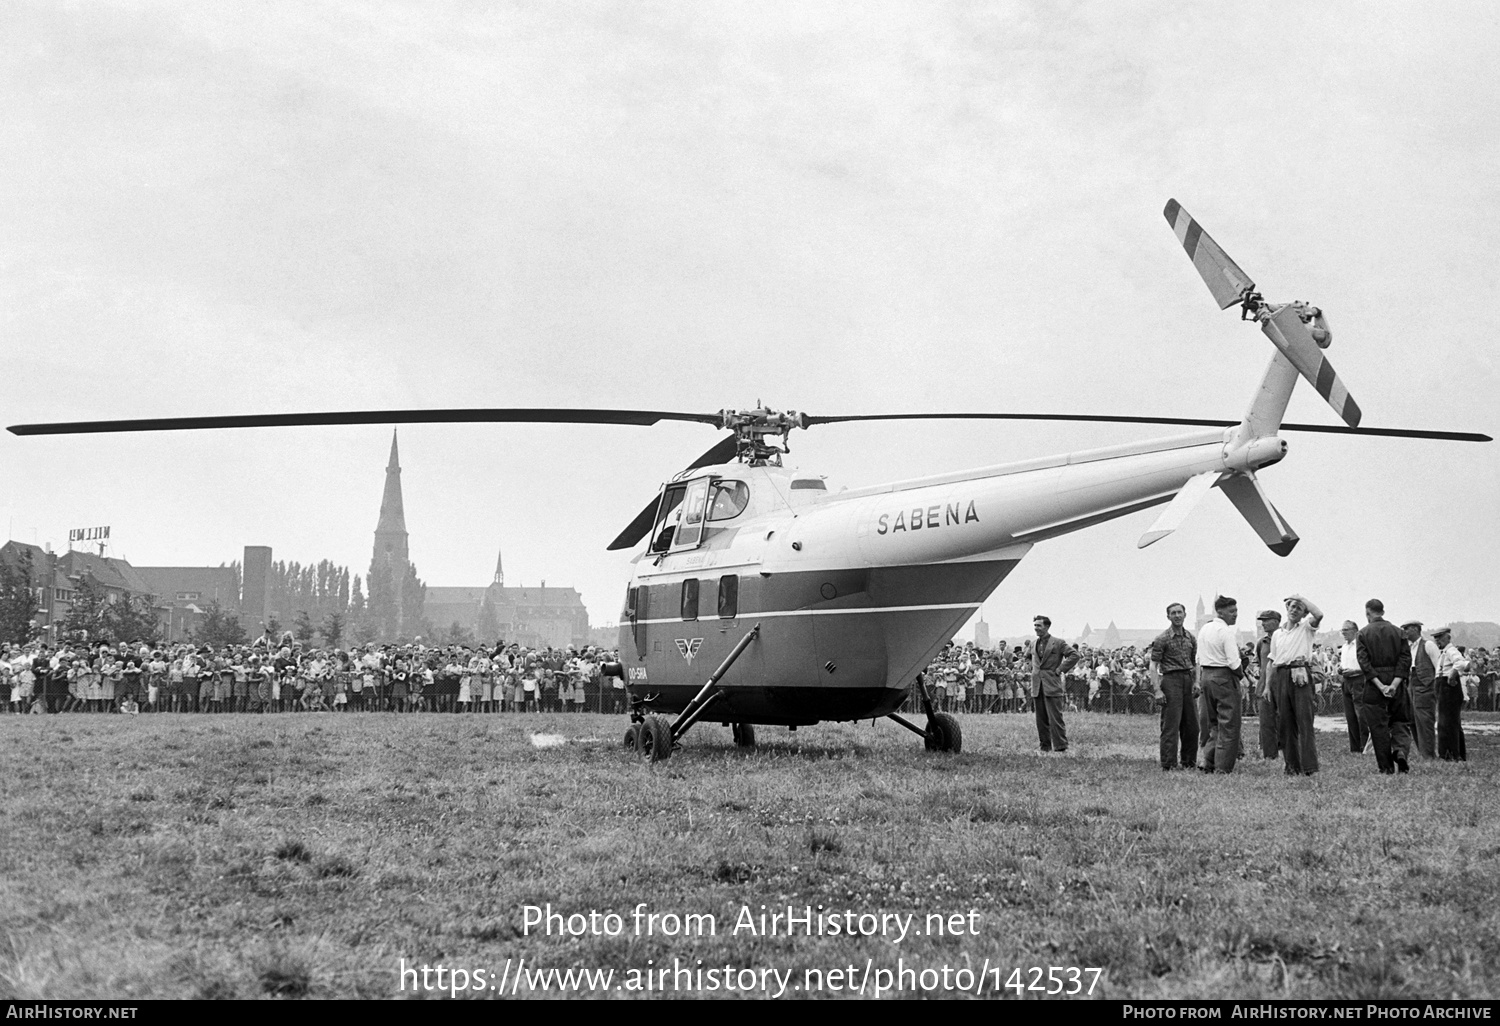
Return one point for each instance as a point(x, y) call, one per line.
point(1179, 720)
point(1294, 712)
point(1270, 728)
point(1354, 712)
point(1221, 701)
point(1424, 716)
point(1450, 727)
point(1051, 733)
point(1389, 720)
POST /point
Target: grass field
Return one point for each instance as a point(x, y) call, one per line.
point(307, 855)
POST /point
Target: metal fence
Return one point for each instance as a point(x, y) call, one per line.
point(1139, 701)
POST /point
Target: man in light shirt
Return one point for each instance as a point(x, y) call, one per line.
point(1450, 697)
point(1353, 687)
point(1218, 674)
point(1291, 684)
point(1422, 687)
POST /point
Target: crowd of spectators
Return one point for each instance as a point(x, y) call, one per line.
point(284, 676)
point(277, 677)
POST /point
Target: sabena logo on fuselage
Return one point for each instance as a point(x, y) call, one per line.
point(689, 648)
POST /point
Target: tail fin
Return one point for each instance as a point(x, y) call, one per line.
point(1299, 331)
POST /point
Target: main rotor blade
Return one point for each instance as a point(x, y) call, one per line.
point(642, 418)
point(722, 452)
point(1093, 418)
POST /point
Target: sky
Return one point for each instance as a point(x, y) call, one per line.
point(836, 208)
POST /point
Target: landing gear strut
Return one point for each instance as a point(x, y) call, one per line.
point(943, 734)
point(654, 738)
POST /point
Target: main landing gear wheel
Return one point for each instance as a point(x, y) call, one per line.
point(655, 743)
point(944, 734)
point(744, 735)
point(633, 737)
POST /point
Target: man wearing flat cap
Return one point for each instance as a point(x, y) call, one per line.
point(1422, 689)
point(1270, 729)
point(1450, 697)
point(1292, 685)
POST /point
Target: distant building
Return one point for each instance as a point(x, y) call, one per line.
point(540, 617)
point(56, 577)
point(188, 591)
point(981, 633)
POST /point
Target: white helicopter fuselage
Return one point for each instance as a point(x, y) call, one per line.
point(855, 591)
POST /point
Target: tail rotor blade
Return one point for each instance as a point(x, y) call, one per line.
point(1222, 275)
point(1245, 492)
point(1285, 329)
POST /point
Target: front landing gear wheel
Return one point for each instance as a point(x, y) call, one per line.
point(633, 737)
point(744, 735)
point(656, 739)
point(944, 734)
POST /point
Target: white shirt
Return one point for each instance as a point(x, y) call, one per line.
point(1348, 658)
point(1450, 660)
point(1290, 644)
point(1217, 645)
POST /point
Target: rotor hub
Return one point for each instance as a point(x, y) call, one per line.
point(756, 430)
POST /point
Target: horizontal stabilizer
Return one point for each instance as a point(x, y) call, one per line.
point(1245, 492)
point(1181, 505)
point(1286, 330)
point(1222, 275)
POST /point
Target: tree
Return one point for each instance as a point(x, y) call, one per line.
point(18, 605)
point(366, 632)
point(333, 629)
point(413, 598)
point(134, 619)
point(88, 613)
point(302, 627)
point(487, 629)
point(273, 627)
point(218, 628)
point(458, 634)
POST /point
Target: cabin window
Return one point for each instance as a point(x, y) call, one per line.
point(729, 500)
point(690, 599)
point(729, 596)
point(810, 484)
point(690, 530)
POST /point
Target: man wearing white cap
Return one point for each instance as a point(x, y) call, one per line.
point(1420, 686)
point(1450, 697)
point(1291, 684)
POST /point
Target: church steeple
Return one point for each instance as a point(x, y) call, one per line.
point(390, 532)
point(500, 569)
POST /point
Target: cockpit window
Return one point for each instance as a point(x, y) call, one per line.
point(690, 531)
point(729, 500)
point(810, 483)
point(666, 522)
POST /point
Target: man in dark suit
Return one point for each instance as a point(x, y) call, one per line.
point(1051, 658)
point(1385, 660)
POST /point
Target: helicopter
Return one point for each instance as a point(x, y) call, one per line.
point(814, 605)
